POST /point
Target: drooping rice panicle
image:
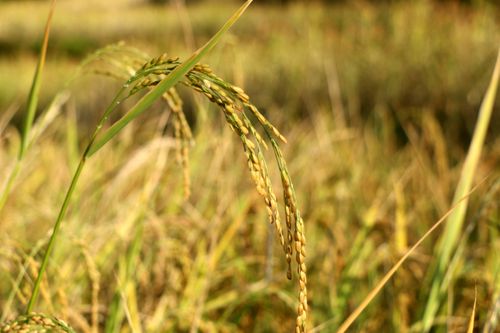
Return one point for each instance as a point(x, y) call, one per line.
point(234, 103)
point(35, 323)
point(299, 234)
point(183, 136)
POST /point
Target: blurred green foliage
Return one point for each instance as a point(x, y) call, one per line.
point(399, 58)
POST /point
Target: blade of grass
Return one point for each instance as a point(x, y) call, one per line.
point(366, 301)
point(64, 207)
point(145, 102)
point(31, 110)
point(451, 234)
point(35, 87)
point(471, 321)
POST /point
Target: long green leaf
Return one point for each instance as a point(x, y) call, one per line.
point(35, 86)
point(31, 110)
point(451, 234)
point(145, 102)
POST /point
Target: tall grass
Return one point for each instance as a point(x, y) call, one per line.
point(30, 111)
point(450, 238)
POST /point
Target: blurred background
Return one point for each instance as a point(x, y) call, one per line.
point(378, 100)
point(349, 57)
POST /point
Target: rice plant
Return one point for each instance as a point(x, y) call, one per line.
point(159, 76)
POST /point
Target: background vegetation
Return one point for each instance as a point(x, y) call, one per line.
point(378, 102)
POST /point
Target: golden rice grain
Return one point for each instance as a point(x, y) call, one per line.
point(35, 323)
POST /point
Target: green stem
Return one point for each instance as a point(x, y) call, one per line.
point(35, 87)
point(31, 109)
point(67, 199)
point(55, 232)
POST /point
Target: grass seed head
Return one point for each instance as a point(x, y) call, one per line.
point(35, 323)
point(235, 103)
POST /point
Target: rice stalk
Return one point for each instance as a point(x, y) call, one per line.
point(217, 91)
point(183, 136)
point(123, 62)
point(94, 145)
point(31, 109)
point(235, 104)
point(159, 76)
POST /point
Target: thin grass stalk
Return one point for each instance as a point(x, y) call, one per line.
point(452, 232)
point(35, 87)
point(31, 110)
point(67, 199)
point(473, 314)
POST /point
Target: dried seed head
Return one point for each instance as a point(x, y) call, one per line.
point(235, 104)
point(183, 137)
point(202, 68)
point(240, 94)
point(35, 323)
point(300, 246)
point(163, 58)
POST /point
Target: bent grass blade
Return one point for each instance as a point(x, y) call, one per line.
point(145, 102)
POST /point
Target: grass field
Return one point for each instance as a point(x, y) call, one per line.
point(378, 103)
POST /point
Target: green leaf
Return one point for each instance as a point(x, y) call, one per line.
point(35, 85)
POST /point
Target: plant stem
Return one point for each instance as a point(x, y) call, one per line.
point(62, 212)
point(35, 87)
point(32, 105)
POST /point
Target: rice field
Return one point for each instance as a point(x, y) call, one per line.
point(271, 181)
